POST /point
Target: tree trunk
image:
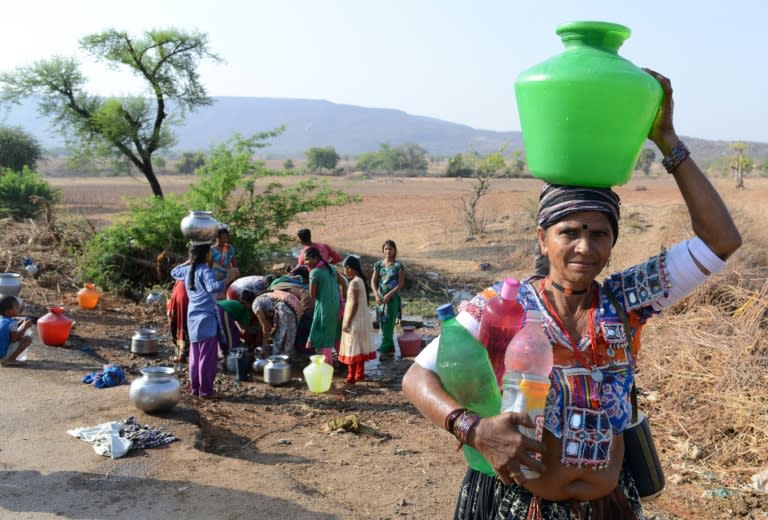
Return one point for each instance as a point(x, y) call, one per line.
point(739, 179)
point(149, 173)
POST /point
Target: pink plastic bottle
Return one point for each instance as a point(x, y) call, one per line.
point(528, 362)
point(502, 318)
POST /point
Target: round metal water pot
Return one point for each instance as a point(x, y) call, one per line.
point(145, 341)
point(199, 226)
point(156, 390)
point(232, 358)
point(10, 284)
point(277, 370)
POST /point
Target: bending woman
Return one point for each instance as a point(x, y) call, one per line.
point(588, 407)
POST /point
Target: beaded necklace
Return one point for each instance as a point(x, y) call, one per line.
point(597, 374)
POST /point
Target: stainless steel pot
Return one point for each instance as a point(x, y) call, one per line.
point(232, 358)
point(277, 370)
point(156, 390)
point(145, 341)
point(10, 284)
point(199, 226)
point(258, 365)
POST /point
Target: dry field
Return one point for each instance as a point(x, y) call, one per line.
point(703, 366)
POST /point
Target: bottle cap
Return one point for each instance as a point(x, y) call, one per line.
point(510, 288)
point(445, 312)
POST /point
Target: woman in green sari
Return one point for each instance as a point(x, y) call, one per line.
point(387, 281)
point(324, 289)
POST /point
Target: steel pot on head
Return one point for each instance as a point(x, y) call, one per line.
point(145, 341)
point(277, 371)
point(200, 226)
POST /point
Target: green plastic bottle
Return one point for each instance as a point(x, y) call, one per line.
point(586, 112)
point(466, 373)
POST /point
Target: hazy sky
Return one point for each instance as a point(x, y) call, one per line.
point(448, 59)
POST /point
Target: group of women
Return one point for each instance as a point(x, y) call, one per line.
point(312, 309)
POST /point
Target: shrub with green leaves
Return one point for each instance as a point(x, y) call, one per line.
point(25, 194)
point(228, 185)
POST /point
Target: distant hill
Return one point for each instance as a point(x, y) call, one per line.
point(350, 129)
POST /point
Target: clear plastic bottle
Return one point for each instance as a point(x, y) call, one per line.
point(466, 374)
point(502, 319)
point(528, 362)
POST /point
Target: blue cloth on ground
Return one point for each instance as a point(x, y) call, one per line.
point(109, 376)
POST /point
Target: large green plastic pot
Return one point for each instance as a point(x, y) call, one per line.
point(586, 112)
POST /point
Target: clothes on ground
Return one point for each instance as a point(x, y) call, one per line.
point(285, 309)
point(388, 313)
point(327, 253)
point(357, 344)
point(115, 439)
point(144, 436)
point(325, 320)
point(257, 284)
point(107, 377)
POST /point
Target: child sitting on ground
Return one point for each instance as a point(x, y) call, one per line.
point(12, 339)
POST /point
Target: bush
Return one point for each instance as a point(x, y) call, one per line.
point(137, 251)
point(25, 194)
point(124, 256)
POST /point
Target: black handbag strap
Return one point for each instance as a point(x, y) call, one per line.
point(625, 321)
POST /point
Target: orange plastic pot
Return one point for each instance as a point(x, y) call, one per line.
point(88, 296)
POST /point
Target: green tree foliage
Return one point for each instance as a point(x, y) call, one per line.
point(24, 194)
point(462, 165)
point(18, 149)
point(288, 165)
point(645, 160)
point(410, 159)
point(189, 162)
point(320, 158)
point(237, 188)
point(133, 128)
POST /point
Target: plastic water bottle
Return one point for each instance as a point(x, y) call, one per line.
point(528, 362)
point(502, 318)
point(466, 374)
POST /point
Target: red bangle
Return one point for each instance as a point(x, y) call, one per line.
point(464, 424)
point(450, 419)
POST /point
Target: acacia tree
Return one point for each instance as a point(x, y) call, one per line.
point(126, 129)
point(645, 160)
point(18, 149)
point(319, 158)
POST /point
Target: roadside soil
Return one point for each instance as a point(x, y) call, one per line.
point(263, 451)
